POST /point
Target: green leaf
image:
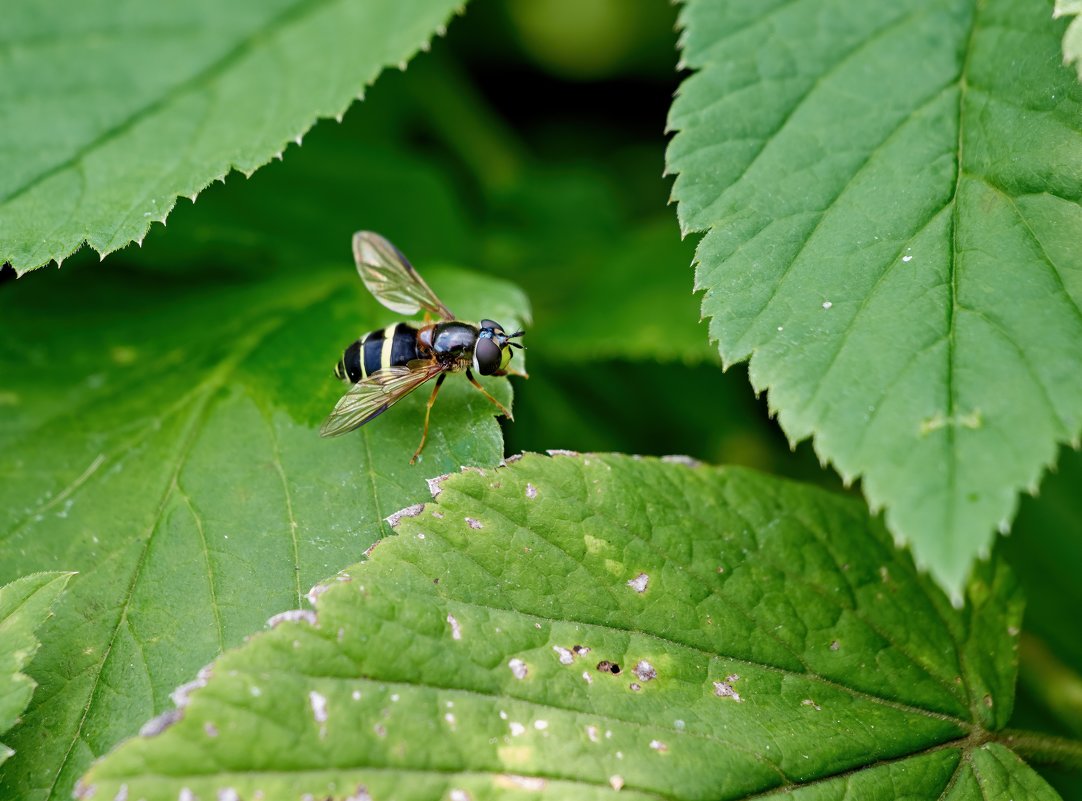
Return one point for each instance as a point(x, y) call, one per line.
point(24, 606)
point(112, 112)
point(630, 301)
point(1072, 37)
point(578, 625)
point(891, 195)
point(160, 436)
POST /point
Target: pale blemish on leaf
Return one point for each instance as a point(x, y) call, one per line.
point(644, 671)
point(293, 616)
point(565, 656)
point(511, 782)
point(531, 491)
point(409, 511)
point(473, 523)
point(679, 458)
point(725, 689)
point(518, 668)
point(616, 782)
point(318, 702)
point(435, 484)
point(182, 694)
point(156, 725)
point(659, 746)
point(639, 583)
point(456, 629)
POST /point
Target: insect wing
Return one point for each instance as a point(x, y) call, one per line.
point(391, 279)
point(374, 395)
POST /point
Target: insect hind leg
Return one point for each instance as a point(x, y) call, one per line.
point(428, 412)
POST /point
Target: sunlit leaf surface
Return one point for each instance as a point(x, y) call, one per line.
point(890, 195)
point(159, 435)
point(110, 111)
point(578, 626)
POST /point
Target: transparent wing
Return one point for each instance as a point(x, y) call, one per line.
point(374, 395)
point(391, 279)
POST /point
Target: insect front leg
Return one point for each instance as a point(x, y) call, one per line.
point(506, 412)
point(428, 412)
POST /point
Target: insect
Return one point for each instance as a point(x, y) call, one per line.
point(386, 365)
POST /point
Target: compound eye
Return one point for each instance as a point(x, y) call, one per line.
point(492, 325)
point(488, 356)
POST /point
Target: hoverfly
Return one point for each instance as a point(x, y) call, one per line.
point(386, 365)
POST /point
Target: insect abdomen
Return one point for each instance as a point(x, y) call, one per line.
point(393, 346)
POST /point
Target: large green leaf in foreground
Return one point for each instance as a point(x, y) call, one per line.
point(891, 195)
point(24, 605)
point(111, 111)
point(160, 436)
point(577, 626)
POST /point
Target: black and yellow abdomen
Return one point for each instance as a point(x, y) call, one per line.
point(393, 346)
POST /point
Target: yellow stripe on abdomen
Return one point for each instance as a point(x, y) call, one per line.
point(388, 345)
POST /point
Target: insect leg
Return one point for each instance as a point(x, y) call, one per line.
point(483, 391)
point(428, 411)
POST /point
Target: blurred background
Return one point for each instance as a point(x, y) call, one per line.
point(529, 144)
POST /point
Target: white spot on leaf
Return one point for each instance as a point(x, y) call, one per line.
point(409, 511)
point(456, 629)
point(533, 783)
point(293, 616)
point(155, 726)
point(566, 657)
point(518, 668)
point(645, 671)
point(639, 583)
point(474, 524)
point(724, 689)
point(318, 703)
